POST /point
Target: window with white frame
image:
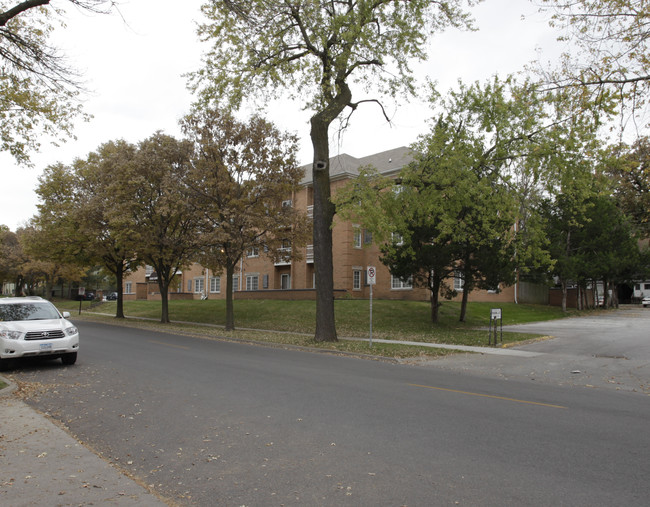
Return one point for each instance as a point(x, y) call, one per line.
point(215, 284)
point(357, 236)
point(356, 279)
point(199, 285)
point(253, 251)
point(459, 281)
point(397, 283)
point(287, 203)
point(252, 282)
point(367, 237)
point(235, 283)
point(396, 238)
point(128, 288)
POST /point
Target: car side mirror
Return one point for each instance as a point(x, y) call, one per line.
point(66, 315)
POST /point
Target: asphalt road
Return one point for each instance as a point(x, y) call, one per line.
point(610, 350)
point(216, 423)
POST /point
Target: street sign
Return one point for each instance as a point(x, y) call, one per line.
point(496, 317)
point(372, 275)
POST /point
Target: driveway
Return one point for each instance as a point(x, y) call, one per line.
point(610, 350)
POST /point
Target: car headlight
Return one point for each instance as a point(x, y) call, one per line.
point(12, 335)
point(71, 331)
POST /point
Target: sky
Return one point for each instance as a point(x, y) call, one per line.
point(133, 66)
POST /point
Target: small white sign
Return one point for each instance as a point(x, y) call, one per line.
point(495, 313)
point(82, 291)
point(372, 275)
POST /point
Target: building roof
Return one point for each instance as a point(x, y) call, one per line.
point(347, 166)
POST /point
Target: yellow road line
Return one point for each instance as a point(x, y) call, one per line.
point(489, 396)
point(169, 345)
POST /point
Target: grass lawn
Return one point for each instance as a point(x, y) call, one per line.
point(292, 322)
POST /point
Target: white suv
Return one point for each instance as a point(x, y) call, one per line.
point(32, 326)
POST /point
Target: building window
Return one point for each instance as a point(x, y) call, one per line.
point(252, 282)
point(285, 281)
point(397, 283)
point(128, 288)
point(357, 237)
point(459, 281)
point(189, 286)
point(396, 238)
point(215, 284)
point(646, 286)
point(235, 283)
point(287, 204)
point(199, 285)
point(253, 251)
point(265, 282)
point(356, 279)
point(367, 237)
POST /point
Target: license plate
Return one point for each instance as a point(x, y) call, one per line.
point(46, 346)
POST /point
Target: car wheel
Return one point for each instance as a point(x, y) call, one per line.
point(5, 364)
point(69, 359)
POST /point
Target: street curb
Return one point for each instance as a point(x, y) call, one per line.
point(11, 387)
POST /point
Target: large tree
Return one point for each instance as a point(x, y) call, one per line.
point(153, 209)
point(630, 168)
point(77, 219)
point(12, 258)
point(244, 173)
point(38, 88)
point(319, 53)
point(109, 242)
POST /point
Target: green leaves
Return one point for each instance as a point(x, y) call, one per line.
point(307, 49)
point(38, 89)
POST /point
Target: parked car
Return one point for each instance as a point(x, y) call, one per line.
point(32, 326)
point(645, 301)
point(112, 296)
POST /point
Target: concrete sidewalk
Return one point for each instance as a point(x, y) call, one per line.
point(42, 465)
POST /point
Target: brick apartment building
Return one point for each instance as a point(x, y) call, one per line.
point(259, 277)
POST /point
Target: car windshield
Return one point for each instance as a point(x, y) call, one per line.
point(28, 311)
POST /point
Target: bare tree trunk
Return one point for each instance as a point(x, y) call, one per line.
point(323, 217)
point(230, 312)
point(19, 286)
point(434, 287)
point(119, 280)
point(164, 299)
point(564, 295)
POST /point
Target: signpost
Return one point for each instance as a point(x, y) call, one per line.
point(496, 317)
point(371, 276)
point(82, 293)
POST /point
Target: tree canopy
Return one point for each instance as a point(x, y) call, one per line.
point(317, 52)
point(244, 173)
point(608, 57)
point(38, 88)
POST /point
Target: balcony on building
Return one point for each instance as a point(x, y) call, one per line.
point(285, 257)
